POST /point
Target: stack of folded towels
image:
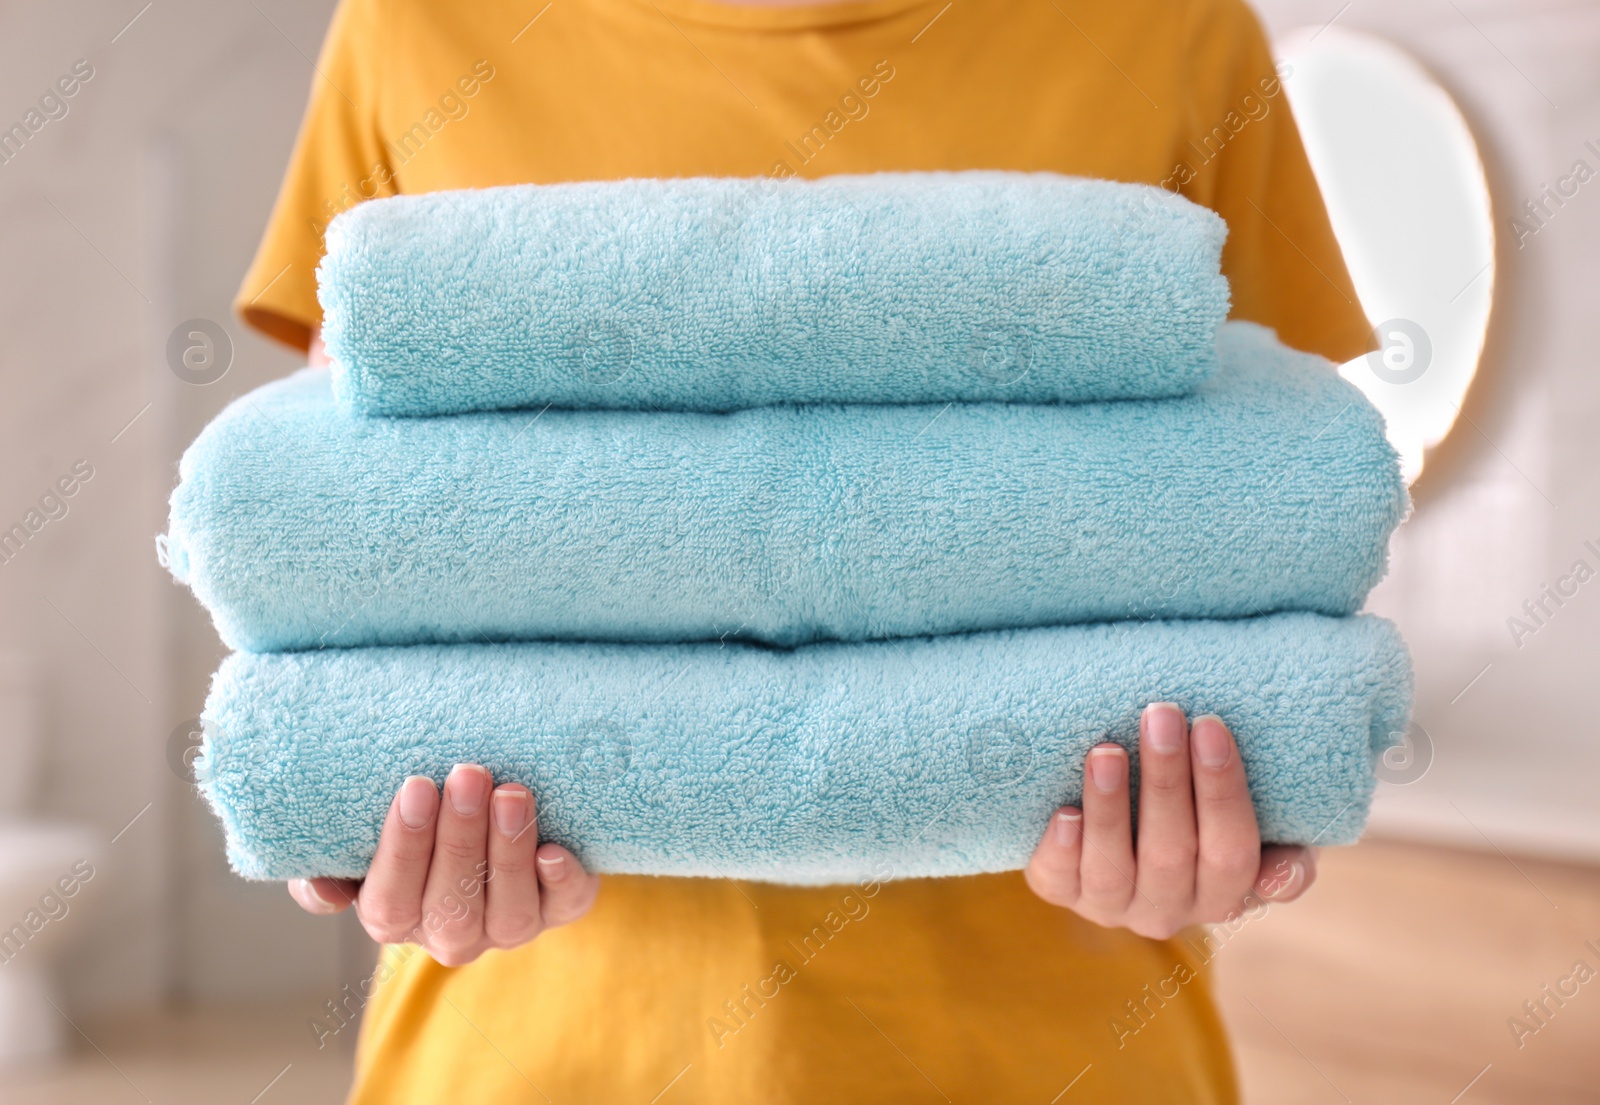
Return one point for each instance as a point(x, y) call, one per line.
point(783, 531)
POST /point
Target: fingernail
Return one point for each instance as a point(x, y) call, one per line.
point(1107, 768)
point(553, 868)
point(417, 801)
point(510, 810)
point(1068, 824)
point(1277, 887)
point(466, 787)
point(311, 888)
point(1212, 745)
point(1163, 727)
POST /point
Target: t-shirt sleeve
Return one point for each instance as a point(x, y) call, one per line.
point(338, 160)
point(1244, 159)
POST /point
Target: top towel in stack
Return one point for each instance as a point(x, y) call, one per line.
point(717, 294)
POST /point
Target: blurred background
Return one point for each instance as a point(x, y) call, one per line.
point(1456, 143)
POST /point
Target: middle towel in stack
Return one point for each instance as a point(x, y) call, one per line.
point(300, 525)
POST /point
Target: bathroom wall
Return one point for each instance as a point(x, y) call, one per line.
point(1509, 500)
point(139, 208)
point(134, 211)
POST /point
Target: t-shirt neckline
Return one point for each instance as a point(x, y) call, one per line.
point(782, 17)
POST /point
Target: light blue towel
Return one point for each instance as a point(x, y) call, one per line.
point(717, 294)
point(301, 526)
point(934, 756)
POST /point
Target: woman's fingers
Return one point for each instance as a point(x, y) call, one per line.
point(390, 902)
point(1229, 856)
point(1287, 871)
point(1198, 855)
point(511, 894)
point(452, 900)
point(1166, 844)
point(1052, 873)
point(1106, 872)
point(461, 872)
point(566, 889)
point(324, 895)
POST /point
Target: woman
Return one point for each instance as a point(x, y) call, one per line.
point(1070, 982)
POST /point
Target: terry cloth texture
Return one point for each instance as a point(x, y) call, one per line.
point(936, 756)
point(300, 525)
point(719, 294)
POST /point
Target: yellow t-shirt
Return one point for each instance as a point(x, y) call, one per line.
point(709, 991)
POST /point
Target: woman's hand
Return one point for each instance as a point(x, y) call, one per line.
point(461, 876)
point(317, 353)
point(1198, 852)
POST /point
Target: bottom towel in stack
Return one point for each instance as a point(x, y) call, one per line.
point(826, 763)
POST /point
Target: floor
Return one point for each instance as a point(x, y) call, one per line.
point(1393, 982)
point(260, 1055)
